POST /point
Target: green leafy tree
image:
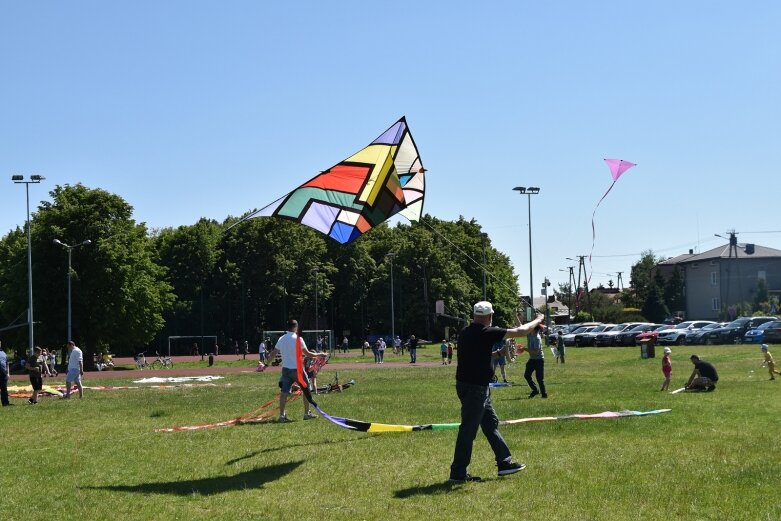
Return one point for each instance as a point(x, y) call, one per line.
point(654, 307)
point(673, 291)
point(761, 295)
point(189, 253)
point(119, 293)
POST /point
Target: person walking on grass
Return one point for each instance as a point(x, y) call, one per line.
point(443, 351)
point(771, 366)
point(667, 368)
point(560, 347)
point(36, 368)
point(473, 375)
point(5, 375)
point(413, 349)
point(536, 363)
point(499, 359)
point(75, 370)
point(286, 345)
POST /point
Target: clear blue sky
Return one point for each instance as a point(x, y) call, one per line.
point(190, 109)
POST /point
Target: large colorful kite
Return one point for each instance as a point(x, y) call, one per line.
point(364, 190)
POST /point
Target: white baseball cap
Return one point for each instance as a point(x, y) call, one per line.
point(483, 308)
point(764, 347)
point(667, 350)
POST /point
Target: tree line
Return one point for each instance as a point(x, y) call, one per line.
point(133, 287)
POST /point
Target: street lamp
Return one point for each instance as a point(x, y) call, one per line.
point(34, 179)
point(317, 320)
point(529, 191)
point(70, 249)
point(482, 235)
point(393, 318)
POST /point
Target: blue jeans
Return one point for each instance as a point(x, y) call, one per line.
point(413, 355)
point(476, 411)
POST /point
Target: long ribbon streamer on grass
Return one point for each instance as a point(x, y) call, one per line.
point(363, 426)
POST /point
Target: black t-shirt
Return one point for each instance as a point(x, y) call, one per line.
point(474, 353)
point(707, 370)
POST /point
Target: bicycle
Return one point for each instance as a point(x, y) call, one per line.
point(162, 363)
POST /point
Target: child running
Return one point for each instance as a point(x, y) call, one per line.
point(667, 368)
point(771, 366)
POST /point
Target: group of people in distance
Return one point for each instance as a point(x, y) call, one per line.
point(41, 364)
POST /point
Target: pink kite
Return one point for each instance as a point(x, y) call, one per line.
point(617, 168)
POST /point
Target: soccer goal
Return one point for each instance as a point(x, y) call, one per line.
point(309, 336)
point(185, 345)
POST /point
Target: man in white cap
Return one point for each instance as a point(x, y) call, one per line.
point(473, 375)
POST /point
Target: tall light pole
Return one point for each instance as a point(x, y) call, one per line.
point(529, 191)
point(570, 284)
point(317, 320)
point(393, 317)
point(70, 250)
point(485, 297)
point(34, 179)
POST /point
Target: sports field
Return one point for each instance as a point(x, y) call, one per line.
point(715, 456)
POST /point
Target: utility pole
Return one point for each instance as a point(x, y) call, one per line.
point(582, 271)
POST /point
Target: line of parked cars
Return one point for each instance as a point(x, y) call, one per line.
point(744, 329)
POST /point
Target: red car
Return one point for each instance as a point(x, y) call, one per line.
point(654, 333)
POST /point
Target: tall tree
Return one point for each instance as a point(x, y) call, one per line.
point(673, 291)
point(119, 292)
point(189, 253)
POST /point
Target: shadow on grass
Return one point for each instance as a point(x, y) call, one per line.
point(294, 446)
point(436, 488)
point(254, 478)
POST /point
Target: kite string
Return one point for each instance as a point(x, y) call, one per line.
point(479, 264)
point(594, 232)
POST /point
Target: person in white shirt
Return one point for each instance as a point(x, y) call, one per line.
point(75, 370)
point(286, 345)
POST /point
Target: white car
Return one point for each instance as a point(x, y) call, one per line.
point(678, 334)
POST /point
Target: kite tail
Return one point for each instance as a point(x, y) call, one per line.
point(594, 231)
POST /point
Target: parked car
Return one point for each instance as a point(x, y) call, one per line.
point(733, 332)
point(653, 333)
point(553, 333)
point(677, 335)
point(607, 338)
point(697, 336)
point(628, 337)
point(587, 338)
point(569, 338)
point(773, 332)
point(757, 334)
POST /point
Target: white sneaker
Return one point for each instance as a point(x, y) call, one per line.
point(309, 416)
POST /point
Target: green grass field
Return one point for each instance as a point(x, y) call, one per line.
point(715, 456)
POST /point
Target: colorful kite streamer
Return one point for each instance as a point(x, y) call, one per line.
point(363, 426)
point(357, 194)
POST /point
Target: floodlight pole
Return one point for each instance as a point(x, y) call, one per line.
point(529, 191)
point(485, 297)
point(317, 320)
point(34, 179)
point(393, 318)
point(70, 250)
